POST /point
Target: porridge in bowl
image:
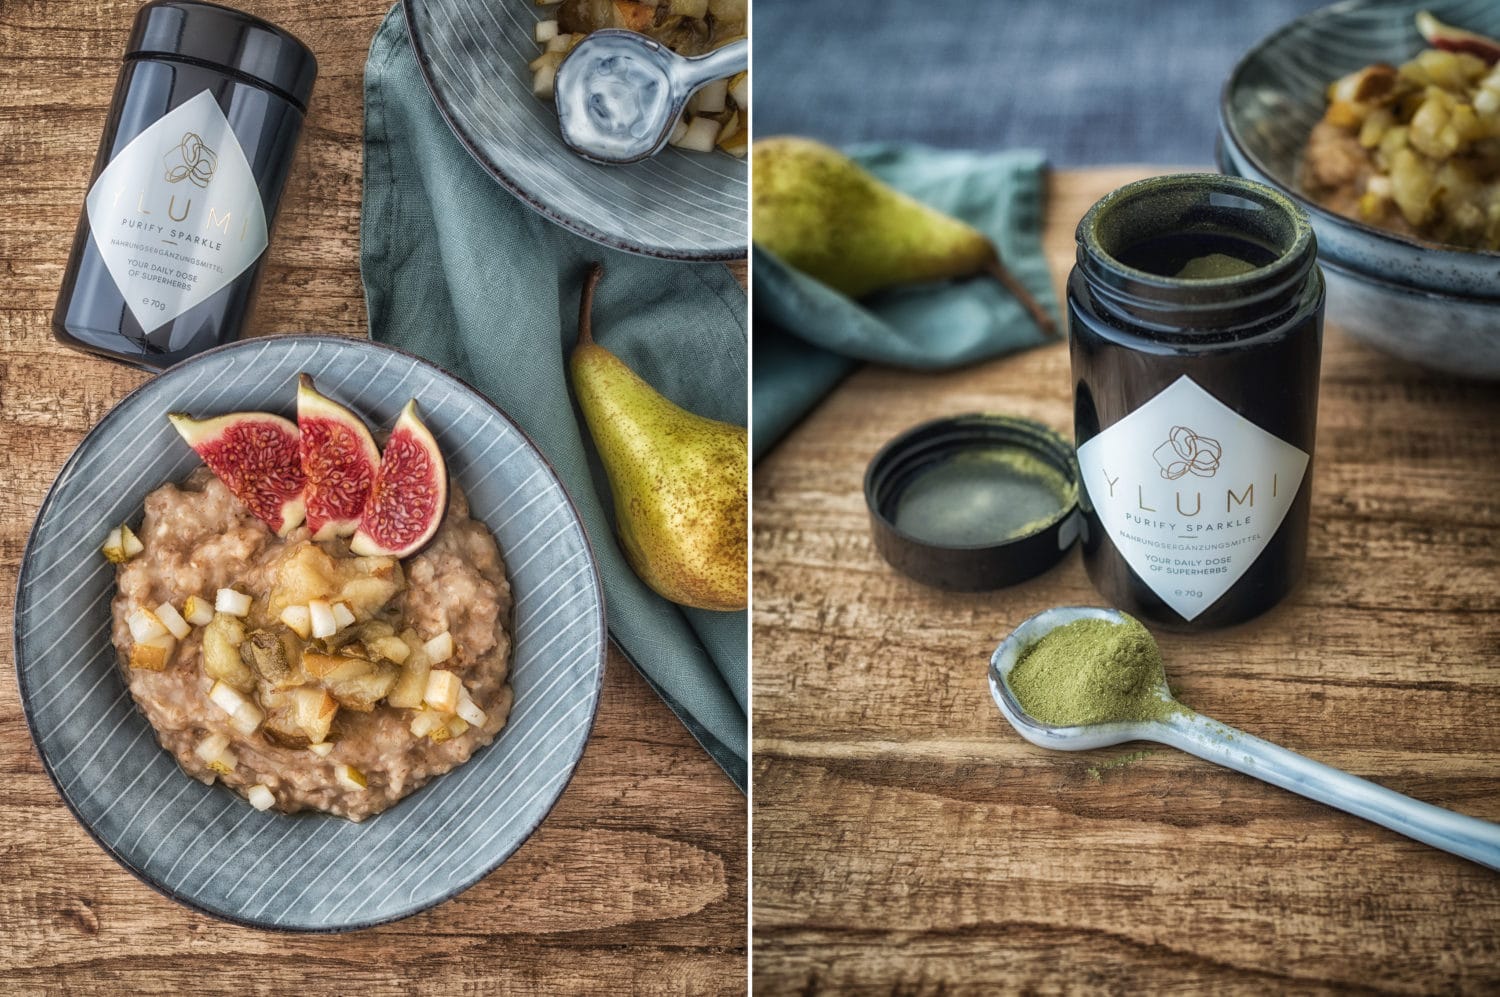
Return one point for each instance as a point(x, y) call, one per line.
point(306, 656)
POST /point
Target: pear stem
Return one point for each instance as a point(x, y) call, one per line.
point(586, 305)
point(1008, 280)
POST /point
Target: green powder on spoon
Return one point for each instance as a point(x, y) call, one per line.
point(1092, 671)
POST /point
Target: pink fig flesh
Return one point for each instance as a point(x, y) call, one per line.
point(256, 455)
point(339, 459)
point(410, 494)
point(1451, 39)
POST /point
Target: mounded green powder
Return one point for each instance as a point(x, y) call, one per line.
point(1092, 671)
point(1213, 266)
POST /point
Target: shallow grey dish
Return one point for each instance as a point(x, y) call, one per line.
point(677, 205)
point(205, 846)
point(1434, 306)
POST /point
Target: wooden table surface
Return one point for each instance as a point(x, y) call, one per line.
point(637, 881)
point(908, 841)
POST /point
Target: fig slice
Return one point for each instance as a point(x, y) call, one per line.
point(339, 459)
point(1451, 39)
point(410, 494)
point(255, 454)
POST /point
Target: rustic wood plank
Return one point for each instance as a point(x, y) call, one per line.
point(907, 841)
point(637, 879)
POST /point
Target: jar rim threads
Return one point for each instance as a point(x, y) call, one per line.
point(1207, 205)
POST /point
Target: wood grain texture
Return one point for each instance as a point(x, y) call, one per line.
point(637, 881)
point(907, 841)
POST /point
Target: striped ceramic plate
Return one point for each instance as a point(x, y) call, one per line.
point(678, 205)
point(207, 847)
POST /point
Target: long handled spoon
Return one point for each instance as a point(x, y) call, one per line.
point(619, 94)
point(1474, 839)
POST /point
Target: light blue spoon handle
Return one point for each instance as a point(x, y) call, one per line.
point(1474, 839)
point(690, 74)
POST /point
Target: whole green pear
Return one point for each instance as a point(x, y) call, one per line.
point(822, 213)
point(680, 481)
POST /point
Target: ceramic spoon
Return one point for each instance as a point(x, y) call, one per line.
point(661, 80)
point(1196, 734)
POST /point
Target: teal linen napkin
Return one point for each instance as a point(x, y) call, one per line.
point(808, 336)
point(458, 270)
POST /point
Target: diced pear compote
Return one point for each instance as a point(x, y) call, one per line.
point(391, 648)
point(153, 654)
point(442, 690)
point(440, 648)
point(364, 584)
point(232, 602)
point(197, 611)
point(173, 621)
point(214, 750)
point(121, 544)
point(468, 709)
point(244, 716)
point(427, 722)
point(298, 619)
point(221, 653)
point(144, 624)
point(409, 689)
point(314, 709)
point(321, 615)
point(350, 777)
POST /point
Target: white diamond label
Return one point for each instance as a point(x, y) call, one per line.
point(177, 214)
point(1190, 492)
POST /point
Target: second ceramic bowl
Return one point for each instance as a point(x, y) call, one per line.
point(1428, 304)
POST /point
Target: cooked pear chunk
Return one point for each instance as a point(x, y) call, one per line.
point(152, 654)
point(362, 691)
point(314, 709)
point(221, 653)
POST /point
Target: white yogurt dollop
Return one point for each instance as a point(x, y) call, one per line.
point(614, 104)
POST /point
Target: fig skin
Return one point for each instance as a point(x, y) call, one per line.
point(410, 495)
point(256, 455)
point(339, 459)
point(1451, 39)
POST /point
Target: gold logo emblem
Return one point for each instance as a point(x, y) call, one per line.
point(1185, 452)
point(191, 161)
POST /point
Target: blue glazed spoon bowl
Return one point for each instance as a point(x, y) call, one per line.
point(584, 113)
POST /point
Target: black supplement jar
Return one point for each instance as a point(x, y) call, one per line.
point(1196, 323)
point(195, 153)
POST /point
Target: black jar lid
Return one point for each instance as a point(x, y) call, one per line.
point(230, 39)
point(974, 502)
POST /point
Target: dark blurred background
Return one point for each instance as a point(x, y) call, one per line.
point(1088, 82)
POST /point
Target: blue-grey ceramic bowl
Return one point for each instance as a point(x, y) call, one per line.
point(1435, 306)
point(676, 205)
point(205, 846)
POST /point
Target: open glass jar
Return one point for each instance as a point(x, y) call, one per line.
point(1196, 318)
point(184, 191)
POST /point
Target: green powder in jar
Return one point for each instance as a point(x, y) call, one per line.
point(1092, 671)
